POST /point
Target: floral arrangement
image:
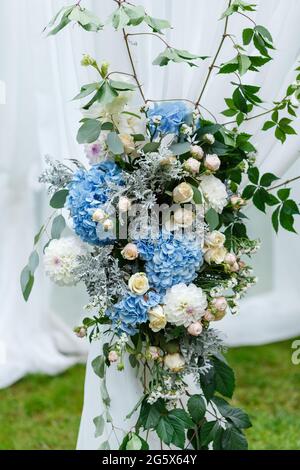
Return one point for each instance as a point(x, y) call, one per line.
point(160, 234)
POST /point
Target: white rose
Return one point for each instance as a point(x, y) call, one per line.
point(214, 239)
point(175, 362)
point(215, 255)
point(192, 165)
point(212, 162)
point(130, 252)
point(157, 319)
point(138, 283)
point(183, 193)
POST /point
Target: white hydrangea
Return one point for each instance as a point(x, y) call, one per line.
point(214, 192)
point(60, 259)
point(184, 304)
point(97, 151)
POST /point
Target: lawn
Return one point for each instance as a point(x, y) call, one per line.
point(44, 412)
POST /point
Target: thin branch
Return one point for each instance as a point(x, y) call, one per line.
point(215, 58)
point(120, 73)
point(125, 35)
point(151, 34)
point(248, 17)
point(284, 183)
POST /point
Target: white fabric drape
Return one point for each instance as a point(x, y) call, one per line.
point(42, 75)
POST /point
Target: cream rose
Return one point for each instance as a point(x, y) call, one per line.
point(99, 215)
point(138, 283)
point(128, 142)
point(183, 193)
point(175, 362)
point(157, 319)
point(215, 255)
point(192, 165)
point(197, 152)
point(214, 250)
point(130, 252)
point(212, 162)
point(124, 204)
point(183, 218)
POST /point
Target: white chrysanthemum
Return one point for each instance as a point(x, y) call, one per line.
point(214, 192)
point(184, 304)
point(60, 260)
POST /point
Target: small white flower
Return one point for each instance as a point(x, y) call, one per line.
point(61, 258)
point(209, 139)
point(184, 304)
point(214, 192)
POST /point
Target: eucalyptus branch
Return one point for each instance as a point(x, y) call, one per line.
point(211, 67)
point(284, 183)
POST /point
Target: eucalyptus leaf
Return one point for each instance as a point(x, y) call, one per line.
point(114, 143)
point(58, 200)
point(58, 227)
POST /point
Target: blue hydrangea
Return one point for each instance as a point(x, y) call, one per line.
point(132, 311)
point(172, 113)
point(170, 261)
point(88, 191)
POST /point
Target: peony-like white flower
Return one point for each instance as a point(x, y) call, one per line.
point(138, 284)
point(214, 192)
point(61, 258)
point(97, 151)
point(174, 362)
point(184, 304)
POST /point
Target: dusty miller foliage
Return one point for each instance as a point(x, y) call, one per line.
point(101, 275)
point(56, 175)
point(208, 344)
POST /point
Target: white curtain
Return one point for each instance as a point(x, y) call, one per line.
point(42, 75)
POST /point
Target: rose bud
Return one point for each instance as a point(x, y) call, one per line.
point(212, 162)
point(195, 329)
point(113, 356)
point(130, 252)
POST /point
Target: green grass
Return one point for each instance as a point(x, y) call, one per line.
point(44, 412)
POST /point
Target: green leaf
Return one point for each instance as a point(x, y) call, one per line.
point(165, 430)
point(99, 423)
point(150, 414)
point(197, 198)
point(151, 147)
point(27, 281)
point(264, 33)
point(38, 235)
point(253, 175)
point(34, 261)
point(86, 90)
point(287, 221)
point(268, 125)
point(114, 143)
point(249, 191)
point(197, 408)
point(233, 439)
point(239, 100)
point(237, 416)
point(275, 219)
point(106, 93)
point(207, 432)
point(267, 179)
point(58, 200)
point(229, 67)
point(181, 417)
point(259, 199)
point(98, 366)
point(240, 118)
point(156, 24)
point(244, 63)
point(283, 193)
point(208, 383)
point(86, 19)
point(224, 377)
point(212, 218)
point(64, 20)
point(104, 446)
point(134, 443)
point(89, 131)
point(247, 36)
point(280, 135)
point(122, 86)
point(181, 148)
point(290, 207)
point(58, 227)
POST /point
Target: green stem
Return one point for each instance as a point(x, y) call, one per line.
point(284, 183)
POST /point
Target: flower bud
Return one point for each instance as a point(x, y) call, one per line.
point(108, 225)
point(130, 252)
point(195, 329)
point(154, 353)
point(234, 268)
point(81, 332)
point(104, 69)
point(212, 162)
point(197, 152)
point(209, 139)
point(124, 204)
point(87, 61)
point(113, 356)
point(230, 259)
point(208, 316)
point(99, 216)
point(219, 304)
point(237, 201)
point(192, 165)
